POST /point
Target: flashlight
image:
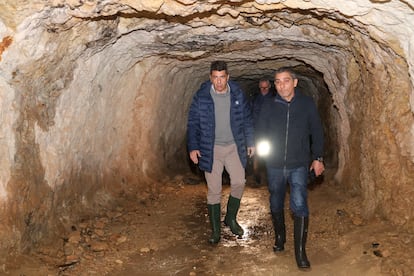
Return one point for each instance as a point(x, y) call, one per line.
point(263, 148)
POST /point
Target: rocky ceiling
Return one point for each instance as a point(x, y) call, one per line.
point(94, 95)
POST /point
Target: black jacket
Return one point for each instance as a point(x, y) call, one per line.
point(293, 129)
point(257, 105)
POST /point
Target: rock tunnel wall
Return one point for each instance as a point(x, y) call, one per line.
point(94, 97)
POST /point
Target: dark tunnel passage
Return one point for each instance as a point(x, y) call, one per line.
point(310, 83)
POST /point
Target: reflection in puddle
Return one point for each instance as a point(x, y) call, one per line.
point(252, 233)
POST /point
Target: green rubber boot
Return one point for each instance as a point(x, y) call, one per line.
point(230, 220)
point(214, 213)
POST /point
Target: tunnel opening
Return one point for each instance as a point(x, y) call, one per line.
point(311, 83)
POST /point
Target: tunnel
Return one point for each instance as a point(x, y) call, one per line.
point(94, 97)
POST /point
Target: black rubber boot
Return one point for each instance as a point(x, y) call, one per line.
point(278, 219)
point(233, 206)
point(257, 179)
point(214, 213)
point(300, 236)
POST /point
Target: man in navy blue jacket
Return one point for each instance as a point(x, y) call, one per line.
point(220, 135)
point(290, 123)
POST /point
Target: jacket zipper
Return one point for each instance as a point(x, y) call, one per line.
point(287, 132)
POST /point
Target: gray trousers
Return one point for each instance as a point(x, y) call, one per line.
point(225, 157)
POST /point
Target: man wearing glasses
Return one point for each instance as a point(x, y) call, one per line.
point(257, 102)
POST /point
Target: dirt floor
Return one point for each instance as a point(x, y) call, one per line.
point(166, 234)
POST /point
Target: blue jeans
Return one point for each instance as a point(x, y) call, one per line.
point(297, 179)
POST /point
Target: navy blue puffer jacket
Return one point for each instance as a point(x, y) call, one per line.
point(201, 124)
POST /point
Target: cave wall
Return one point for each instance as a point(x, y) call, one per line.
point(94, 96)
point(380, 119)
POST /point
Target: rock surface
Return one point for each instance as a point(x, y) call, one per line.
point(169, 236)
point(94, 97)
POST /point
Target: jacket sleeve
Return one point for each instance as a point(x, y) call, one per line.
point(261, 123)
point(255, 110)
point(248, 124)
point(193, 125)
point(316, 131)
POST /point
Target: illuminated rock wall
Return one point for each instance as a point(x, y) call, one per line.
point(94, 96)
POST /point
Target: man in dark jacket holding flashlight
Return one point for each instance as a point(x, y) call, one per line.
point(290, 125)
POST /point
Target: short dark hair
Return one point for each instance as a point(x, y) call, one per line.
point(264, 80)
point(218, 65)
point(287, 70)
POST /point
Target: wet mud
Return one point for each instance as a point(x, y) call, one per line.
point(168, 236)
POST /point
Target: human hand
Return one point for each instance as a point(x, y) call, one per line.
point(318, 167)
point(194, 155)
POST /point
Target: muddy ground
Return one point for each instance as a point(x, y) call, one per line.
point(166, 233)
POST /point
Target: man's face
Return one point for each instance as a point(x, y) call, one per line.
point(285, 85)
point(219, 80)
point(264, 87)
